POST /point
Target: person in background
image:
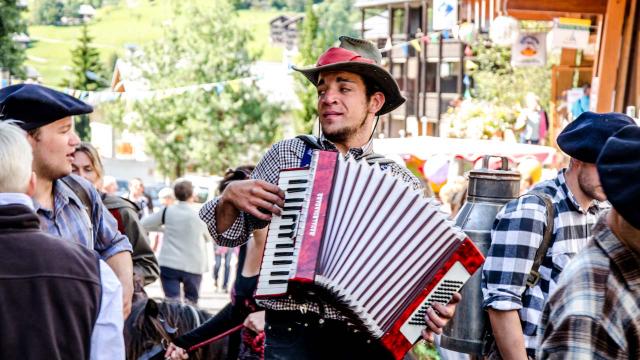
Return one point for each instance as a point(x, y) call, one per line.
point(581, 105)
point(221, 254)
point(166, 199)
point(532, 121)
point(87, 163)
point(39, 272)
point(139, 197)
point(453, 195)
point(109, 185)
point(530, 173)
point(183, 255)
point(594, 312)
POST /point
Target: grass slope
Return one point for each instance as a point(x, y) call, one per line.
point(115, 27)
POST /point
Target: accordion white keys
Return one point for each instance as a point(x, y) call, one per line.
point(366, 243)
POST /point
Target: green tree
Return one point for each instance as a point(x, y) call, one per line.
point(47, 12)
point(87, 73)
point(12, 55)
point(309, 52)
point(493, 74)
point(323, 24)
point(211, 129)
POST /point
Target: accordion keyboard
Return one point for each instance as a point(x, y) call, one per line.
point(278, 258)
point(452, 281)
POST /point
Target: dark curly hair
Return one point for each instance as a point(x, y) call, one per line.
point(239, 173)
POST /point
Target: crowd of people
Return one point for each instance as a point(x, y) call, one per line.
point(558, 281)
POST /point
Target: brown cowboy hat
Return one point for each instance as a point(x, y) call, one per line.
point(360, 57)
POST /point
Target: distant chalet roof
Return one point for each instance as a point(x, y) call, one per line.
point(292, 20)
point(279, 19)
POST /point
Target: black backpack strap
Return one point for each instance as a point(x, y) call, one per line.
point(81, 192)
point(164, 213)
point(534, 275)
point(311, 141)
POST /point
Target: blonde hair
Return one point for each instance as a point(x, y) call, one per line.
point(93, 156)
point(15, 158)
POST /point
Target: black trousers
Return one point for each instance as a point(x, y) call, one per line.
point(171, 280)
point(294, 335)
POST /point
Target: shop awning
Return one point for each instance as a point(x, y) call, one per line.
point(426, 147)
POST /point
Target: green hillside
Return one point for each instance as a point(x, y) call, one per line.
point(115, 27)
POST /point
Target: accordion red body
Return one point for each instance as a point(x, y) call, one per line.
point(367, 243)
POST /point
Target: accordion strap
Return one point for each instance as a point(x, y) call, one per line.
point(313, 143)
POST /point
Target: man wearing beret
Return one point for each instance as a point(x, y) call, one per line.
point(45, 115)
point(58, 299)
point(595, 311)
point(514, 296)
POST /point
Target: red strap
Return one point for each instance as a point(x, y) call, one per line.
point(116, 214)
point(215, 338)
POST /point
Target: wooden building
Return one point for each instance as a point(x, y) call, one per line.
point(433, 77)
point(612, 68)
point(430, 75)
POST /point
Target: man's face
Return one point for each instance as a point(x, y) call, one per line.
point(343, 106)
point(136, 187)
point(589, 181)
point(53, 149)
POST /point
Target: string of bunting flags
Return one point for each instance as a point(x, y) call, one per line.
point(101, 96)
point(415, 43)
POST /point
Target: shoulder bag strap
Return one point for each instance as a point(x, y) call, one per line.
point(82, 194)
point(534, 275)
point(164, 213)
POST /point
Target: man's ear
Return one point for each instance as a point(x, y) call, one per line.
point(376, 101)
point(31, 187)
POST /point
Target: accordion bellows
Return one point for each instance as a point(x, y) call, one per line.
point(368, 244)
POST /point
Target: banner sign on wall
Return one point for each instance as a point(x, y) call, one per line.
point(529, 50)
point(445, 14)
point(571, 33)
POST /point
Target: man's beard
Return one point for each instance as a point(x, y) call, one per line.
point(342, 135)
point(589, 188)
point(45, 171)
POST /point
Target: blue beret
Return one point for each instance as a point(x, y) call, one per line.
point(584, 138)
point(619, 170)
point(37, 105)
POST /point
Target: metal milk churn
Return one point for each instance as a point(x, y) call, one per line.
point(488, 191)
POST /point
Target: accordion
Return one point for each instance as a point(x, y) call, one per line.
point(366, 243)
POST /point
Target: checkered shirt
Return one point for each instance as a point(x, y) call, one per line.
point(516, 235)
point(595, 311)
point(283, 155)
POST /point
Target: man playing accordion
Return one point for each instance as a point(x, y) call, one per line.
point(353, 90)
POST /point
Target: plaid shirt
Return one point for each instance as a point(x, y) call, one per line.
point(516, 235)
point(284, 155)
point(70, 220)
point(595, 311)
